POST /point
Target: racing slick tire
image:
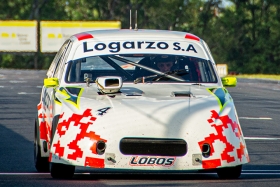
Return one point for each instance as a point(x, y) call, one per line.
point(61, 171)
point(41, 163)
point(229, 172)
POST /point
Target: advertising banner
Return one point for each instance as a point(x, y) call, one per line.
point(18, 36)
point(54, 33)
point(222, 69)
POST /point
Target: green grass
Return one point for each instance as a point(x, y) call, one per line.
point(258, 76)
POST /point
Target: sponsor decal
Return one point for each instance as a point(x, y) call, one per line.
point(151, 161)
point(115, 47)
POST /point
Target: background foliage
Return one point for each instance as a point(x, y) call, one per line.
point(245, 34)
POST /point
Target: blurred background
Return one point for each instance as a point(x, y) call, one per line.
point(242, 34)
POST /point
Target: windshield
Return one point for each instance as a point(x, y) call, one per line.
point(142, 68)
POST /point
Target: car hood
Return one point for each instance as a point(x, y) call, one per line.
point(195, 114)
point(150, 97)
point(161, 105)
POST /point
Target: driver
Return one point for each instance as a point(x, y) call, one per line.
point(164, 63)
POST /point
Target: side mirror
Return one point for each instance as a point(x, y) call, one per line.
point(109, 84)
point(229, 81)
point(51, 82)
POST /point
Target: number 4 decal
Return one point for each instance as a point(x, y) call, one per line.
point(103, 111)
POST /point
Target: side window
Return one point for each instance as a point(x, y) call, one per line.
point(53, 65)
point(51, 68)
point(60, 58)
point(208, 51)
point(62, 65)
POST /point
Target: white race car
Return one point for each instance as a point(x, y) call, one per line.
point(137, 100)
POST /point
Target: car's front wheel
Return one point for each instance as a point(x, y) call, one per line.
point(61, 171)
point(41, 163)
point(229, 172)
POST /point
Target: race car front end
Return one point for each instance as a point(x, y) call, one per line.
point(142, 132)
point(144, 100)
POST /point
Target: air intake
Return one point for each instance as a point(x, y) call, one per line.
point(181, 94)
point(153, 146)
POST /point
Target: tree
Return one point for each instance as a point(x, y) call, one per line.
point(244, 35)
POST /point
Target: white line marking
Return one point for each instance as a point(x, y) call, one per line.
point(36, 173)
point(260, 173)
point(24, 173)
point(22, 86)
point(24, 93)
point(265, 118)
point(260, 138)
point(263, 172)
point(14, 81)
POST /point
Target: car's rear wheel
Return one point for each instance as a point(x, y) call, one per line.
point(230, 172)
point(62, 171)
point(41, 163)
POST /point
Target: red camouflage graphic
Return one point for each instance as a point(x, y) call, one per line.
point(44, 128)
point(75, 119)
point(226, 122)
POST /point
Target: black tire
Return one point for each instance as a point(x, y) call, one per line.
point(61, 171)
point(41, 163)
point(229, 172)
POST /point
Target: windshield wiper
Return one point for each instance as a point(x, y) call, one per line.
point(147, 68)
point(169, 74)
point(174, 72)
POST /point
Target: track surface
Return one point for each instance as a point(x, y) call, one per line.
point(258, 107)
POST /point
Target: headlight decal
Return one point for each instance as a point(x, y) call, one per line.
point(220, 94)
point(56, 100)
point(72, 95)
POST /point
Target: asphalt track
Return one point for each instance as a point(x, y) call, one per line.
point(257, 103)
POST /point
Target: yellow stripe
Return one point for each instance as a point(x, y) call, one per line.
point(83, 24)
point(18, 23)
